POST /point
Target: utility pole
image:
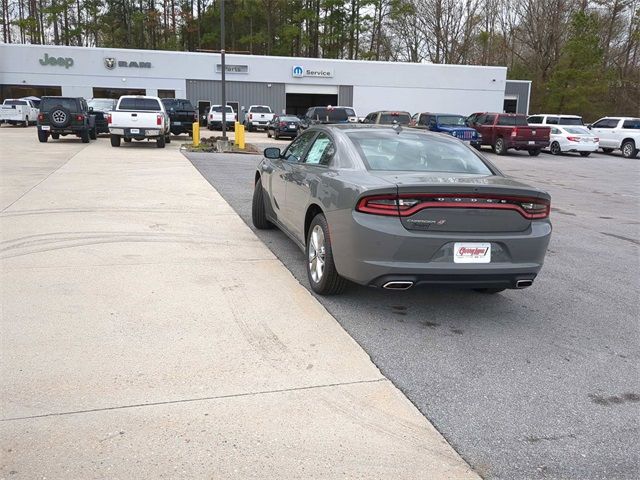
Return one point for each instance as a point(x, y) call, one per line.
point(224, 73)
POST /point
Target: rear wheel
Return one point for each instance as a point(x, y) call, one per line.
point(607, 150)
point(499, 147)
point(321, 270)
point(629, 149)
point(258, 210)
point(84, 135)
point(555, 148)
point(534, 153)
point(115, 140)
point(42, 136)
point(585, 154)
point(160, 142)
point(489, 290)
point(93, 133)
point(268, 133)
point(167, 139)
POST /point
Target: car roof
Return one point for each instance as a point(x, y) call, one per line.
point(555, 115)
point(620, 118)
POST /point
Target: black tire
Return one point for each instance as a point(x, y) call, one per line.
point(210, 127)
point(55, 136)
point(499, 147)
point(93, 134)
point(26, 122)
point(84, 135)
point(534, 153)
point(167, 139)
point(489, 290)
point(249, 127)
point(330, 282)
point(629, 149)
point(60, 117)
point(268, 133)
point(258, 210)
point(160, 141)
point(555, 148)
point(42, 136)
point(275, 135)
point(585, 154)
point(607, 150)
point(115, 140)
point(127, 140)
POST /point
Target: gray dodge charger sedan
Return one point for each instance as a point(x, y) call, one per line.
point(395, 207)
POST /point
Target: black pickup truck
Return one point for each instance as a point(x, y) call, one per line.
point(181, 115)
point(65, 116)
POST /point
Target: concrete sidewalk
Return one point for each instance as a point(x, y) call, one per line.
point(147, 333)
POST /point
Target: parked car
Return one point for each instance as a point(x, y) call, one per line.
point(328, 114)
point(65, 116)
point(138, 117)
point(572, 139)
point(283, 126)
point(214, 119)
point(100, 107)
point(392, 208)
point(503, 131)
point(555, 119)
point(16, 111)
point(454, 125)
point(387, 117)
point(258, 116)
point(181, 115)
point(618, 133)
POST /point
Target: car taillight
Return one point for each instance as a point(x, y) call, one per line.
point(211, 116)
point(40, 117)
point(251, 116)
point(573, 139)
point(407, 205)
point(80, 118)
point(109, 119)
point(514, 132)
point(159, 120)
point(283, 124)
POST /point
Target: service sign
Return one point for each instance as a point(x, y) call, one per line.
point(299, 71)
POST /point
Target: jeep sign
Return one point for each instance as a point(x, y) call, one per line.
point(56, 61)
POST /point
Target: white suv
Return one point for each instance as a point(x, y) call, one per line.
point(618, 133)
point(555, 119)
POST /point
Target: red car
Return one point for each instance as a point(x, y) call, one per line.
point(503, 131)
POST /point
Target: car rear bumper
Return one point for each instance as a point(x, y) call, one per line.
point(141, 132)
point(580, 148)
point(287, 133)
point(373, 250)
point(526, 144)
point(218, 124)
point(70, 129)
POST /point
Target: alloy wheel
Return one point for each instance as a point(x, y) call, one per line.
point(627, 149)
point(317, 254)
point(59, 116)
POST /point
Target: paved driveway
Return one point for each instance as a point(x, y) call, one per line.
point(540, 383)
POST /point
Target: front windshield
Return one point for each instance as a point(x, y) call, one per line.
point(389, 151)
point(451, 120)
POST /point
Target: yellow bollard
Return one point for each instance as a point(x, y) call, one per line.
point(196, 134)
point(240, 136)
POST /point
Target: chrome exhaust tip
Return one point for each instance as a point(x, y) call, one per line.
point(397, 285)
point(524, 283)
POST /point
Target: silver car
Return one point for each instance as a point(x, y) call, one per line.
point(395, 207)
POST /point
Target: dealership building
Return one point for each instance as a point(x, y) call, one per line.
point(287, 84)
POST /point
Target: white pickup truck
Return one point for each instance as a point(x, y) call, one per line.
point(18, 111)
point(258, 116)
point(138, 117)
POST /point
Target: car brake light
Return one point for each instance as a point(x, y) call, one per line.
point(573, 139)
point(40, 117)
point(109, 119)
point(159, 120)
point(407, 205)
point(251, 116)
point(283, 124)
point(514, 132)
point(80, 118)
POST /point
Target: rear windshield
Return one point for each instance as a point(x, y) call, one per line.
point(103, 104)
point(49, 103)
point(412, 152)
point(330, 115)
point(577, 130)
point(218, 109)
point(260, 110)
point(570, 121)
point(452, 120)
point(400, 117)
point(177, 104)
point(635, 123)
point(14, 102)
point(512, 120)
point(289, 119)
point(350, 111)
point(139, 104)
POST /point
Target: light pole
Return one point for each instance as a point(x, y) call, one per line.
point(224, 73)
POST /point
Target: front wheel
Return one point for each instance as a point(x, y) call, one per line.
point(534, 153)
point(629, 149)
point(321, 269)
point(84, 136)
point(555, 148)
point(115, 140)
point(499, 147)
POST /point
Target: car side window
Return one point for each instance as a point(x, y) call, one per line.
point(488, 120)
point(415, 119)
point(536, 120)
point(321, 152)
point(633, 124)
point(555, 131)
point(552, 120)
point(423, 120)
point(296, 149)
point(606, 123)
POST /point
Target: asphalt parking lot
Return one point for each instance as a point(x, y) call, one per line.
point(539, 383)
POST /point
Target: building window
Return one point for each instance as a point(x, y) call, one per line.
point(116, 93)
point(167, 93)
point(19, 91)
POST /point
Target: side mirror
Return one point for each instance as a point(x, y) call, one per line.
point(272, 153)
point(590, 126)
point(91, 109)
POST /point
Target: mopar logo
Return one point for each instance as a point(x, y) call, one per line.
point(57, 61)
point(298, 71)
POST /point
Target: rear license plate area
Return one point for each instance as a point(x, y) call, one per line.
point(134, 130)
point(464, 252)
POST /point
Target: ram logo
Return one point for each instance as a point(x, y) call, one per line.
point(109, 63)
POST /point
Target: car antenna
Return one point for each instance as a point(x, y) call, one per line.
point(397, 127)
